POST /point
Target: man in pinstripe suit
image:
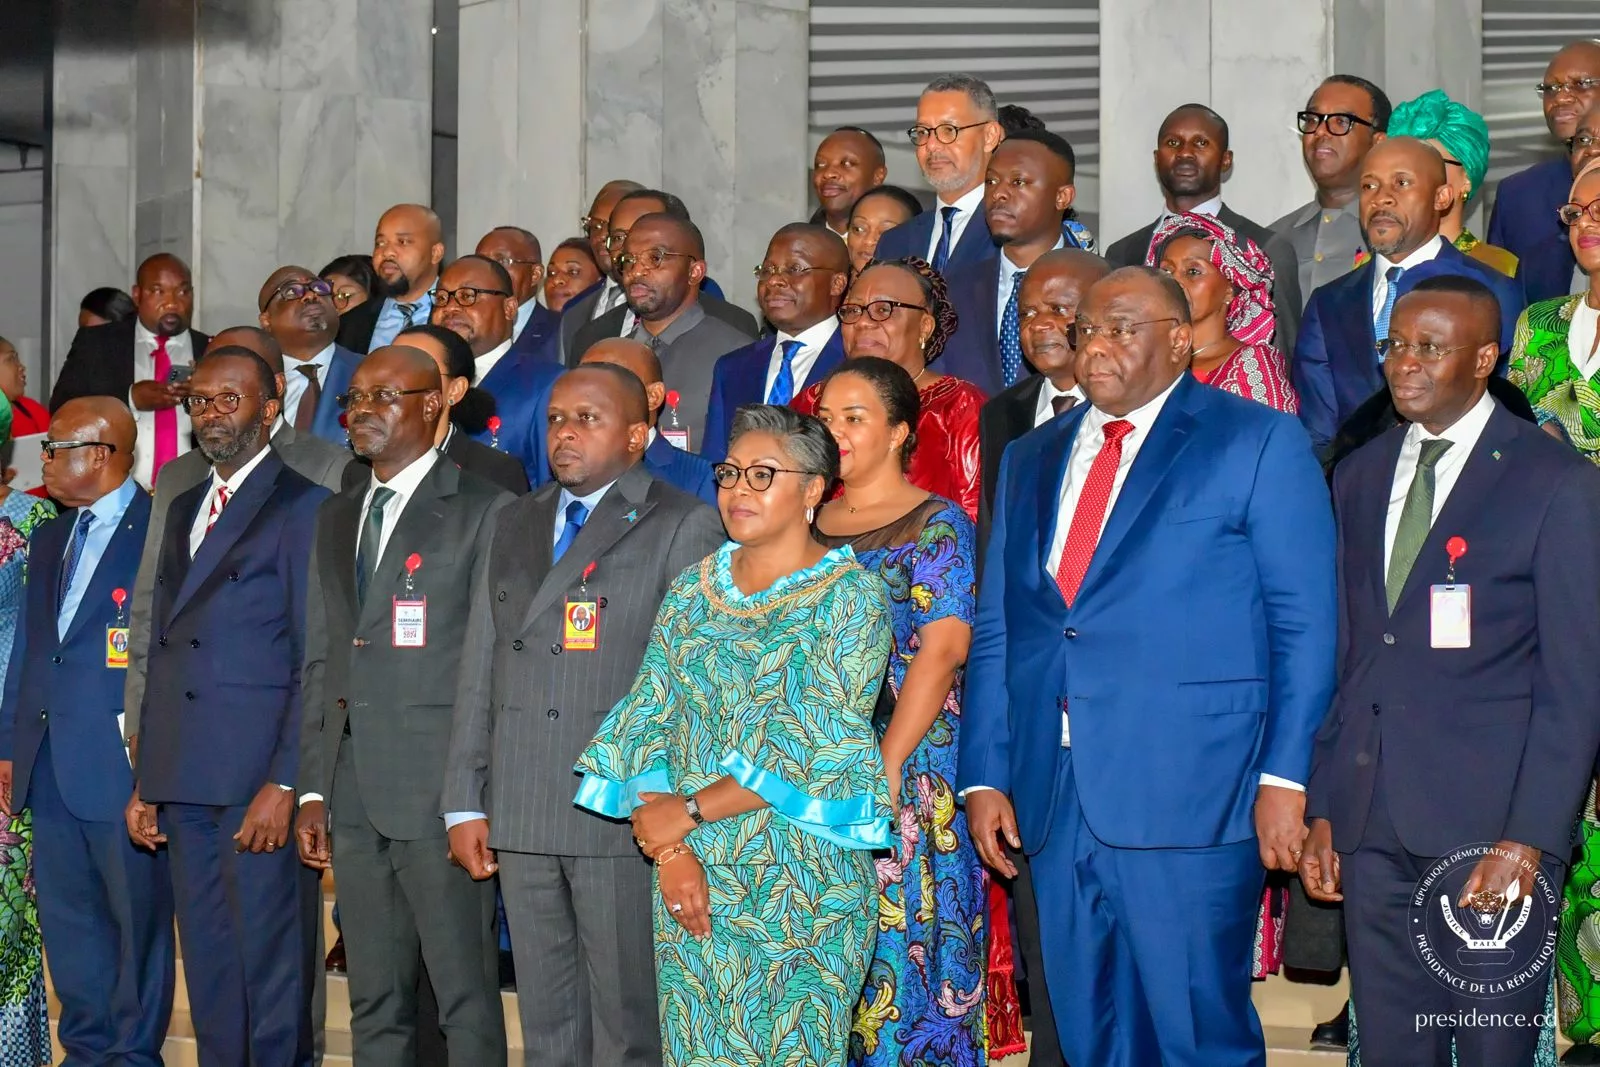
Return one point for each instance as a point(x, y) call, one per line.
point(559, 624)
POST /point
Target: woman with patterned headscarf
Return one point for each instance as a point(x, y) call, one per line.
point(1228, 281)
point(1462, 138)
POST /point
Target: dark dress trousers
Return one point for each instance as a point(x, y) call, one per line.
point(100, 362)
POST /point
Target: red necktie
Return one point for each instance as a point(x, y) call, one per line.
point(1084, 533)
point(166, 443)
point(218, 502)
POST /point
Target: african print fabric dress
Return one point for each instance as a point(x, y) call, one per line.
point(775, 689)
point(924, 1000)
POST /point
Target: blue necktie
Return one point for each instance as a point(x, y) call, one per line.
point(783, 386)
point(69, 566)
point(1011, 335)
point(577, 515)
point(1380, 325)
point(941, 254)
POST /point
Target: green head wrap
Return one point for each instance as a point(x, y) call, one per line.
point(5, 421)
point(1433, 116)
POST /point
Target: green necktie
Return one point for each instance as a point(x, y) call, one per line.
point(371, 537)
point(1416, 519)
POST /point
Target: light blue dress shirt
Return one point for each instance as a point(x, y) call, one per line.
point(108, 512)
point(1008, 277)
point(295, 382)
point(391, 321)
point(524, 313)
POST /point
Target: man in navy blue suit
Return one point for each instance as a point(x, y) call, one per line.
point(1524, 218)
point(518, 252)
point(297, 310)
point(1157, 611)
point(1337, 366)
point(1469, 553)
point(801, 283)
point(218, 745)
point(678, 467)
point(956, 130)
point(105, 907)
point(1027, 194)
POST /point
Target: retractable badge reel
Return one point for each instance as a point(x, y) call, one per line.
point(410, 621)
point(494, 431)
point(117, 633)
point(1450, 604)
point(581, 627)
point(677, 434)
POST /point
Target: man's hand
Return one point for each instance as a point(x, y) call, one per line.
point(992, 821)
point(1503, 864)
point(660, 822)
point(155, 396)
point(5, 787)
point(469, 848)
point(1319, 864)
point(266, 821)
point(141, 820)
point(311, 835)
point(1280, 826)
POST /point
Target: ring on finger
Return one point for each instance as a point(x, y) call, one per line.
point(676, 908)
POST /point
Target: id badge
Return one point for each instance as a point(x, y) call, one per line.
point(410, 623)
point(678, 438)
point(117, 648)
point(581, 632)
point(1450, 616)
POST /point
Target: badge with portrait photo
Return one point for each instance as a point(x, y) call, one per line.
point(581, 628)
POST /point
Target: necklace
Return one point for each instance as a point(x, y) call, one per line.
point(1196, 351)
point(914, 381)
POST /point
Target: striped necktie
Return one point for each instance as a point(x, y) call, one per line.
point(1380, 325)
point(783, 385)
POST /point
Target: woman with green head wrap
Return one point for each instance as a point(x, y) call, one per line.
point(1462, 138)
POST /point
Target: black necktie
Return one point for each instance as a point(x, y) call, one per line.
point(1062, 402)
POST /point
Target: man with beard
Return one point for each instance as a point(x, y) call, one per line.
point(1191, 157)
point(605, 294)
point(297, 309)
point(395, 562)
point(1337, 365)
point(848, 163)
point(406, 252)
point(518, 252)
point(957, 128)
point(606, 539)
point(1344, 118)
point(142, 361)
point(219, 750)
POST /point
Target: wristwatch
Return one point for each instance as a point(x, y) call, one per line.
point(692, 806)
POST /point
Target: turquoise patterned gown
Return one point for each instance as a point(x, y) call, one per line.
point(924, 1001)
point(777, 690)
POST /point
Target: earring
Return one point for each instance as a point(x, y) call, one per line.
point(811, 513)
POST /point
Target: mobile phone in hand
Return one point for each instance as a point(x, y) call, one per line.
point(180, 373)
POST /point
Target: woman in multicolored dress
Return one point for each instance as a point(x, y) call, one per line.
point(924, 1000)
point(24, 1026)
point(746, 757)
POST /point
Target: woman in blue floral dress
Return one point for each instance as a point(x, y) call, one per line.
point(923, 1005)
point(746, 758)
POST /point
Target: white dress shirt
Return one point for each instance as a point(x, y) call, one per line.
point(1580, 339)
point(180, 352)
point(1206, 207)
point(1464, 436)
point(1009, 273)
point(483, 364)
point(968, 205)
point(812, 341)
point(610, 296)
point(1045, 409)
point(524, 313)
point(294, 379)
point(197, 531)
point(1381, 265)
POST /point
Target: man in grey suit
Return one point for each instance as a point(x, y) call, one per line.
point(559, 625)
point(393, 566)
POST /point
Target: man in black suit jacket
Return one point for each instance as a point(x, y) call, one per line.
point(407, 249)
point(605, 294)
point(1462, 736)
point(1191, 157)
point(134, 360)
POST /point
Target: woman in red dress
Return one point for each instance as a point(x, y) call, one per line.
point(28, 416)
point(898, 310)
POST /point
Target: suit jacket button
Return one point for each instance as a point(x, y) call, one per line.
point(233, 576)
point(517, 646)
point(43, 713)
point(162, 642)
point(555, 650)
point(1375, 709)
point(359, 642)
point(1070, 634)
point(194, 642)
point(500, 595)
point(55, 659)
point(188, 696)
point(601, 602)
point(552, 714)
point(341, 703)
point(1388, 639)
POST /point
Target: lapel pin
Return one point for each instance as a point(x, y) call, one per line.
point(1495, 453)
point(632, 515)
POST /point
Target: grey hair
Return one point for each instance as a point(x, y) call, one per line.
point(976, 88)
point(810, 444)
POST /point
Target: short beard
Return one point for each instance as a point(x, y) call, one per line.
point(572, 480)
point(961, 184)
point(397, 288)
point(243, 441)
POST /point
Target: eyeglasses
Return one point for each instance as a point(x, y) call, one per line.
point(765, 271)
point(945, 132)
point(48, 449)
point(1339, 123)
point(297, 290)
point(1426, 352)
point(651, 259)
point(1569, 214)
point(225, 403)
point(511, 261)
point(342, 298)
point(590, 225)
point(1581, 140)
point(1580, 85)
point(614, 239)
point(877, 311)
point(1081, 333)
point(464, 297)
point(378, 398)
point(758, 477)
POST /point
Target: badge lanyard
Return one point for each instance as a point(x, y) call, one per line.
point(410, 616)
point(494, 431)
point(117, 634)
point(1450, 604)
point(581, 620)
point(677, 435)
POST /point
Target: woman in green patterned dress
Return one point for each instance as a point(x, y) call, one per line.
point(746, 757)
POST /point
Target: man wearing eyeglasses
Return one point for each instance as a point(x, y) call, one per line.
point(957, 129)
point(1524, 219)
point(517, 250)
point(297, 310)
point(1344, 118)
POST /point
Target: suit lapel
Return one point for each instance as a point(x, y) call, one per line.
point(235, 519)
point(1371, 515)
point(618, 512)
point(124, 542)
point(753, 374)
point(45, 560)
point(417, 527)
point(831, 356)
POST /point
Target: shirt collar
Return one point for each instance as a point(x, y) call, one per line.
point(235, 483)
point(485, 363)
point(109, 509)
point(1142, 417)
point(1208, 207)
point(1312, 211)
point(968, 202)
point(1048, 389)
point(1464, 431)
point(1008, 269)
point(524, 313)
point(688, 320)
point(322, 359)
point(410, 476)
point(1428, 251)
point(814, 336)
point(150, 340)
point(591, 501)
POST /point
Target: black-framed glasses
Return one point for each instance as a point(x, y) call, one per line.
point(791, 272)
point(1577, 85)
point(378, 398)
point(1426, 352)
point(48, 449)
point(876, 310)
point(757, 476)
point(297, 290)
point(1569, 214)
point(1080, 333)
point(944, 133)
point(650, 259)
point(465, 296)
point(225, 403)
point(1339, 123)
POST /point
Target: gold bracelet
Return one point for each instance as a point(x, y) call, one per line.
point(672, 852)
